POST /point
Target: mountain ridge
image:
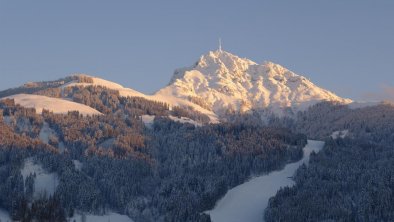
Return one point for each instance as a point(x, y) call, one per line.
point(221, 83)
point(227, 82)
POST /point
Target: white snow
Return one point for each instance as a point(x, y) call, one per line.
point(148, 120)
point(184, 120)
point(111, 217)
point(225, 82)
point(44, 182)
point(222, 82)
point(77, 164)
point(170, 99)
point(46, 132)
point(4, 216)
point(339, 134)
point(52, 104)
point(247, 201)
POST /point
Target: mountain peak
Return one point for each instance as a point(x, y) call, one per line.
point(222, 82)
point(223, 58)
point(218, 63)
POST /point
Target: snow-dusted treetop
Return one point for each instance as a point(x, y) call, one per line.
point(224, 82)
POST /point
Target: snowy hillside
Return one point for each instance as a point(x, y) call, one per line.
point(108, 84)
point(170, 99)
point(44, 182)
point(222, 82)
point(218, 84)
point(52, 104)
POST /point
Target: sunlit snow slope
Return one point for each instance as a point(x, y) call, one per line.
point(223, 82)
point(123, 91)
point(52, 104)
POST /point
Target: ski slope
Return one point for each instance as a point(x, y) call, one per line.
point(247, 201)
point(55, 105)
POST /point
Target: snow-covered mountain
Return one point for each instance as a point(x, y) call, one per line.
point(219, 83)
point(223, 82)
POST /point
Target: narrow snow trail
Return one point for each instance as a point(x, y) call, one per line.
point(247, 201)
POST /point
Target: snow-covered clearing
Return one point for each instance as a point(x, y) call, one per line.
point(148, 120)
point(55, 105)
point(111, 217)
point(339, 134)
point(46, 132)
point(247, 201)
point(185, 120)
point(78, 165)
point(44, 182)
point(4, 216)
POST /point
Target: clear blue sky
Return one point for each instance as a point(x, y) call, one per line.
point(344, 46)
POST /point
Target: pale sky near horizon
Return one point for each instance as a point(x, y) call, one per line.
point(344, 46)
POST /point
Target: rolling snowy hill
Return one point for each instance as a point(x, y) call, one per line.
point(123, 91)
point(52, 104)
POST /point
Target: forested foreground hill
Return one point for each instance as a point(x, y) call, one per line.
point(109, 158)
point(352, 178)
point(113, 162)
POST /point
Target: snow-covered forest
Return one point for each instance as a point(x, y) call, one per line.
point(352, 178)
point(144, 160)
point(112, 162)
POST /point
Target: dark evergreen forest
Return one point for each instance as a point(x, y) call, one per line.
point(352, 178)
